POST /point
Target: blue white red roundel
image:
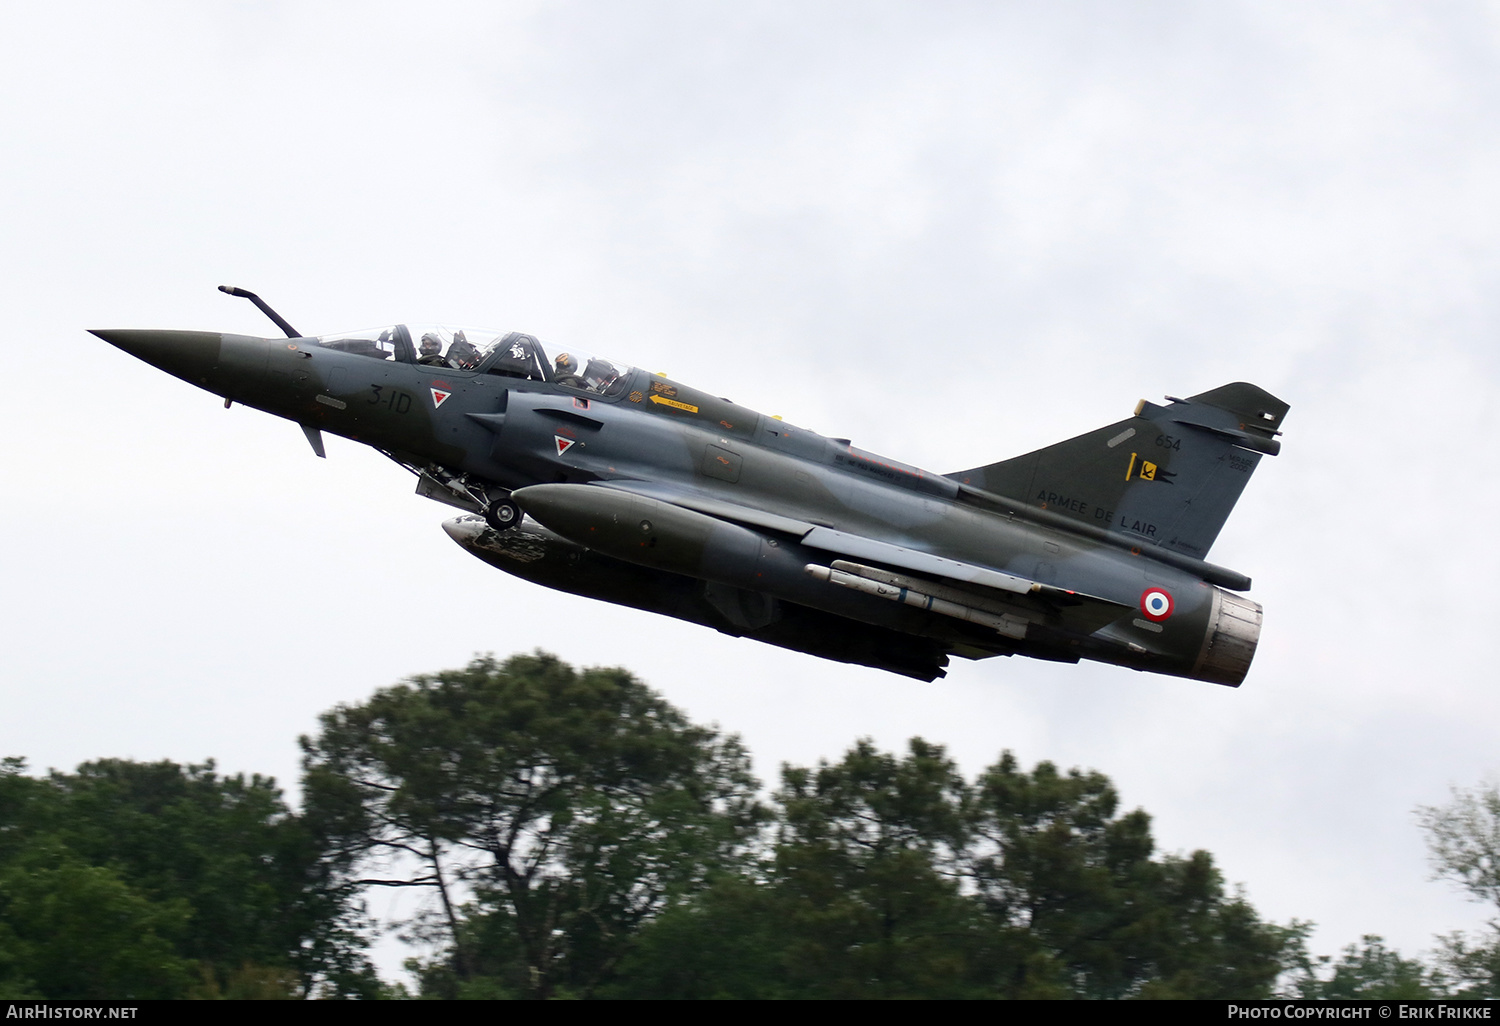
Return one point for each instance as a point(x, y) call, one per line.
point(1156, 604)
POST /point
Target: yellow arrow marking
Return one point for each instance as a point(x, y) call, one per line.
point(674, 404)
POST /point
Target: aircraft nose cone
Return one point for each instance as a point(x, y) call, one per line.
point(190, 355)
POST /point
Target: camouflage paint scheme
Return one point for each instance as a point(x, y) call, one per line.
point(658, 496)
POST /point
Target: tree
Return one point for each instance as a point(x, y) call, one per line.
point(728, 941)
point(251, 873)
point(1368, 971)
point(75, 931)
point(549, 811)
point(1056, 861)
point(868, 871)
point(894, 877)
point(157, 880)
point(1463, 842)
point(860, 896)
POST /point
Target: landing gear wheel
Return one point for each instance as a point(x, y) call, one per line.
point(502, 514)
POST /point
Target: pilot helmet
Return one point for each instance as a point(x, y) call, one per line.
point(566, 364)
point(600, 373)
point(431, 344)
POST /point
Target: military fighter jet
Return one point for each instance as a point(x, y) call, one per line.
point(606, 481)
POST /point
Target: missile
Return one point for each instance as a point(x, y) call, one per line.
point(927, 595)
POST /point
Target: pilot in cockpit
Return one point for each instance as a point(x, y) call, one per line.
point(566, 372)
point(599, 375)
point(431, 351)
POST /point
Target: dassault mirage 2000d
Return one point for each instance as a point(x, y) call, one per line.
point(610, 482)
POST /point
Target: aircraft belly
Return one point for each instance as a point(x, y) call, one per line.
point(748, 584)
point(662, 536)
point(536, 554)
point(1094, 610)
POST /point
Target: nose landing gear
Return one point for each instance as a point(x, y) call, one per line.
point(502, 514)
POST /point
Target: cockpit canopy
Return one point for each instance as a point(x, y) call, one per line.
point(482, 351)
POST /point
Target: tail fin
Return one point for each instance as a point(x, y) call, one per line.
point(1168, 476)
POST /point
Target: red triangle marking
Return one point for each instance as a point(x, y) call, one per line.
point(564, 444)
point(438, 397)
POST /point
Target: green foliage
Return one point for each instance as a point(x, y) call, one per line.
point(1200, 942)
point(572, 806)
point(895, 878)
point(727, 942)
point(1368, 971)
point(79, 931)
point(859, 897)
point(867, 872)
point(1463, 841)
point(156, 880)
point(579, 837)
point(1463, 838)
point(1470, 965)
point(1059, 863)
point(1055, 863)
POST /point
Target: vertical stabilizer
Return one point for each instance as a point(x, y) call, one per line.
point(1167, 476)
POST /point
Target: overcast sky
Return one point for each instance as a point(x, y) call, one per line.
point(953, 232)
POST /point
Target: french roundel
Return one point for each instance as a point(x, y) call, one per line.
point(1156, 604)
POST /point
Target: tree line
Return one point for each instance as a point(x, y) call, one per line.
point(568, 833)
